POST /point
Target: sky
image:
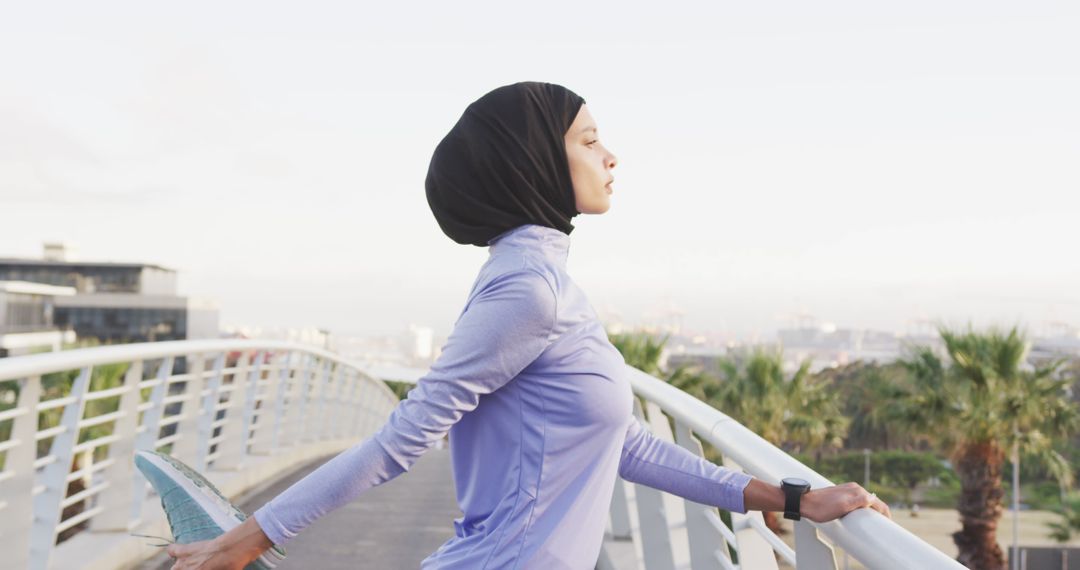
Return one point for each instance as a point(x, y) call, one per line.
point(870, 164)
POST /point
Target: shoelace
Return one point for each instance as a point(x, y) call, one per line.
point(162, 538)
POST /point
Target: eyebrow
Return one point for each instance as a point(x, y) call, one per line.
point(586, 129)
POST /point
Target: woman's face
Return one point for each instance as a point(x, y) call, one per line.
point(590, 165)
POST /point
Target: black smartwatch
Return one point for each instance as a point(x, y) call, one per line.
point(794, 488)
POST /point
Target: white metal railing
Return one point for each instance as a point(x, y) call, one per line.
point(695, 532)
point(214, 404)
point(676, 533)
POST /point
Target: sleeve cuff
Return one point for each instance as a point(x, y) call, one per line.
point(271, 526)
point(736, 486)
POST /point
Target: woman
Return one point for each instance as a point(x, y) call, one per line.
point(532, 394)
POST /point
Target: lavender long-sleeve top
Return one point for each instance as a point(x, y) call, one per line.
point(539, 415)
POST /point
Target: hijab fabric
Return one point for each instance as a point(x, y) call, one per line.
point(503, 164)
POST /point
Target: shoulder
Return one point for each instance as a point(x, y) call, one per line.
point(519, 272)
point(525, 285)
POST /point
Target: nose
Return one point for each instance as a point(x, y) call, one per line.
point(612, 160)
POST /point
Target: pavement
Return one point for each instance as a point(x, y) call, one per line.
point(393, 526)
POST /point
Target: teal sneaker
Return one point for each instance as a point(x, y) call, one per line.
point(195, 509)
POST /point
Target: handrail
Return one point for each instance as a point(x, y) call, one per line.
point(866, 535)
point(43, 363)
point(231, 403)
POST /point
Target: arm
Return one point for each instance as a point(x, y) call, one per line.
point(666, 466)
point(502, 330)
point(669, 467)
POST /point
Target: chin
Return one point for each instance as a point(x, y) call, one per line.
point(597, 208)
point(595, 204)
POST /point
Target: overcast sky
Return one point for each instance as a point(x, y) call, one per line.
point(866, 163)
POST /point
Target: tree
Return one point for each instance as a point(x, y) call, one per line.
point(643, 351)
point(797, 413)
point(868, 392)
point(977, 408)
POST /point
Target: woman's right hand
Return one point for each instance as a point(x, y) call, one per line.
point(204, 555)
point(231, 551)
point(829, 503)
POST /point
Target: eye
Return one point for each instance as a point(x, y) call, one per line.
point(590, 143)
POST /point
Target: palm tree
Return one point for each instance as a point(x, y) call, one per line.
point(800, 413)
point(869, 394)
point(644, 351)
point(981, 406)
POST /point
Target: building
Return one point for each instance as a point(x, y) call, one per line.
point(27, 318)
point(116, 302)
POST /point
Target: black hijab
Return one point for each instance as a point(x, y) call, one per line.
point(504, 164)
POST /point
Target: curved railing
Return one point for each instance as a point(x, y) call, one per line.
point(246, 411)
point(674, 532)
point(668, 532)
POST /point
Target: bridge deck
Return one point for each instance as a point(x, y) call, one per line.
point(394, 525)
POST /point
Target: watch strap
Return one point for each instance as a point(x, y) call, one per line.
point(793, 501)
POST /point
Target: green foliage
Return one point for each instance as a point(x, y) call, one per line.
point(1062, 530)
point(869, 394)
point(895, 473)
point(943, 497)
point(799, 413)
point(985, 395)
point(401, 389)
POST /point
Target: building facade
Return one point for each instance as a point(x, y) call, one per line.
point(116, 302)
point(27, 318)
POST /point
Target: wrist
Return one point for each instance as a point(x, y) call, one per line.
point(809, 506)
point(761, 496)
point(247, 541)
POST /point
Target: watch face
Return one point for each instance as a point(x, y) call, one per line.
point(795, 482)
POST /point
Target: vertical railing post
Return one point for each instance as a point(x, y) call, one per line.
point(208, 415)
point(280, 396)
point(188, 447)
point(348, 405)
point(18, 515)
point(263, 430)
point(254, 382)
point(620, 512)
point(655, 531)
point(47, 511)
point(151, 428)
point(362, 414)
point(315, 429)
point(811, 552)
point(235, 430)
point(708, 550)
point(754, 550)
point(117, 497)
point(334, 407)
point(298, 407)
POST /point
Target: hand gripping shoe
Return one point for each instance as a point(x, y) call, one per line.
point(195, 509)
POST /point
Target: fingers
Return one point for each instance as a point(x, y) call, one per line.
point(873, 502)
point(881, 507)
point(861, 498)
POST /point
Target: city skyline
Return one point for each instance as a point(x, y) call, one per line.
point(865, 165)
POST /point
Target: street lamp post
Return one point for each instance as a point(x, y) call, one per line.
point(866, 467)
point(1016, 500)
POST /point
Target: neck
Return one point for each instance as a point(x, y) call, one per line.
point(549, 242)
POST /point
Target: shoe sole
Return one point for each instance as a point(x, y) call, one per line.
point(212, 502)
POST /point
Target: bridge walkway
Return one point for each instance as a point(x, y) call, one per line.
point(394, 525)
